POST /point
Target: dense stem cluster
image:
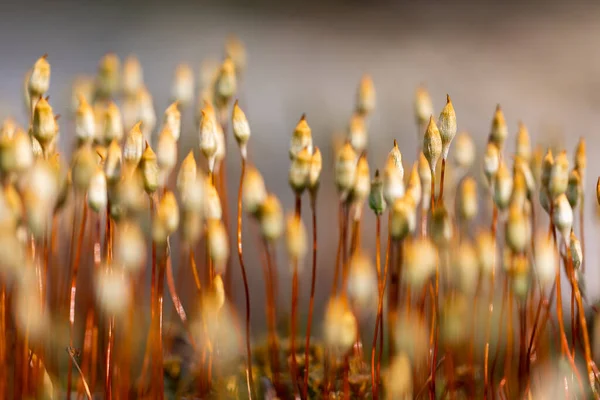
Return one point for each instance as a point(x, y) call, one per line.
point(456, 300)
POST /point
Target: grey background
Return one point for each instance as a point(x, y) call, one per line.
point(540, 62)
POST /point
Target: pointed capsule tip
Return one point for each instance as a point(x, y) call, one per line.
point(448, 100)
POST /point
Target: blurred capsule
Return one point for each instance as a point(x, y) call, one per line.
point(447, 126)
point(134, 146)
point(166, 155)
point(85, 123)
point(403, 218)
point(491, 161)
point(523, 148)
point(31, 316)
point(191, 226)
point(423, 106)
point(218, 244)
point(39, 79)
point(546, 261)
point(395, 158)
point(254, 191)
point(83, 167)
point(187, 172)
point(212, 202)
point(208, 136)
point(499, 130)
point(345, 169)
point(113, 123)
point(166, 219)
point(413, 188)
point(581, 158)
point(149, 168)
point(399, 379)
point(145, 112)
point(518, 230)
point(113, 291)
point(393, 185)
point(193, 195)
point(562, 216)
point(97, 191)
point(271, 218)
point(574, 189)
point(503, 185)
point(295, 238)
point(226, 83)
point(362, 281)
point(377, 202)
point(133, 76)
point(432, 145)
point(107, 79)
point(299, 171)
point(314, 175)
point(357, 133)
point(464, 154)
point(362, 181)
point(559, 175)
point(546, 170)
point(576, 251)
point(468, 204)
point(466, 263)
point(365, 97)
point(235, 50)
point(172, 120)
point(130, 246)
point(82, 86)
point(420, 260)
point(241, 128)
point(340, 325)
point(486, 252)
point(112, 164)
point(44, 127)
point(301, 138)
point(441, 226)
point(183, 85)
point(426, 177)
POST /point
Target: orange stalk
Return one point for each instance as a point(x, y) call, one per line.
point(313, 206)
point(249, 379)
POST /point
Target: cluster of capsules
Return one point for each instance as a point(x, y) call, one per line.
point(452, 299)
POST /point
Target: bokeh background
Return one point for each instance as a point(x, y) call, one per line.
point(539, 61)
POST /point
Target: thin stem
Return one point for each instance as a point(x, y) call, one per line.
point(509, 334)
point(502, 307)
point(3, 367)
point(271, 315)
point(393, 294)
point(582, 232)
point(108, 360)
point(382, 283)
point(75, 268)
point(294, 366)
point(583, 322)
point(74, 361)
point(249, 380)
point(158, 338)
point(336, 273)
point(433, 335)
point(441, 194)
point(313, 206)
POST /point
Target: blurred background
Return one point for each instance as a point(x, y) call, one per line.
point(539, 61)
